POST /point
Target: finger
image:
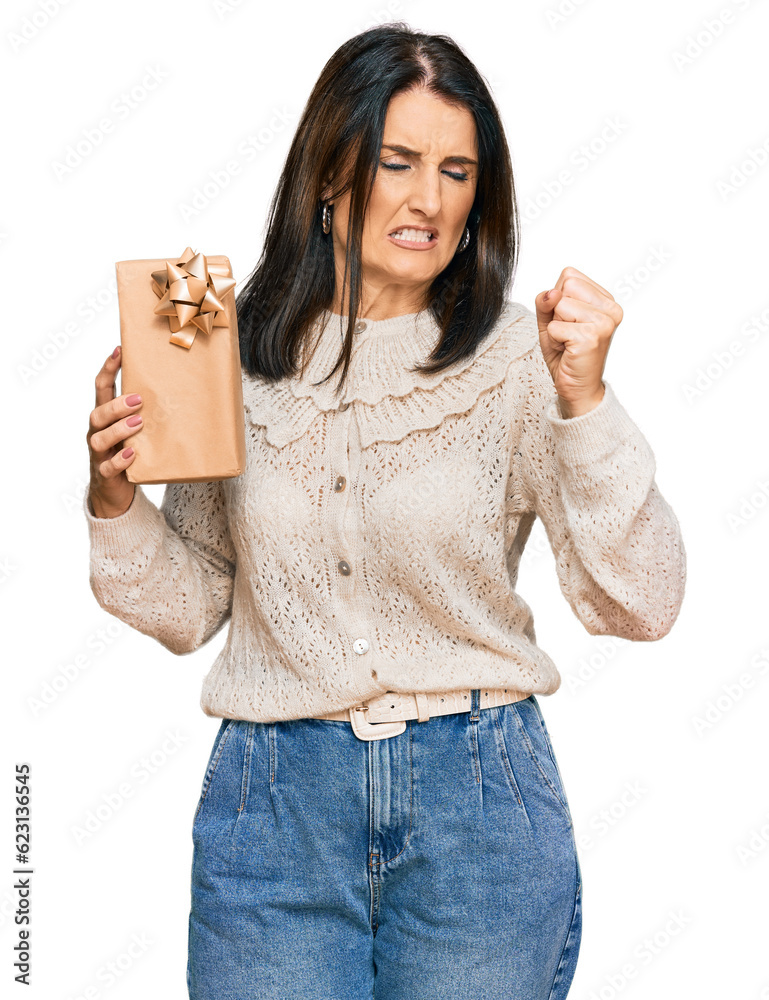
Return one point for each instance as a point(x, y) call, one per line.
point(566, 331)
point(112, 412)
point(573, 272)
point(104, 439)
point(579, 311)
point(111, 467)
point(105, 380)
point(547, 306)
point(112, 409)
point(587, 291)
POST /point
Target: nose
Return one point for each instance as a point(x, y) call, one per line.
point(425, 192)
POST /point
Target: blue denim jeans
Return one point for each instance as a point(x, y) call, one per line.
point(438, 863)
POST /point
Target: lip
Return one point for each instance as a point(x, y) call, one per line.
point(408, 245)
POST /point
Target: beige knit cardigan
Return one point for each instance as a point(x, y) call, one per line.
point(373, 541)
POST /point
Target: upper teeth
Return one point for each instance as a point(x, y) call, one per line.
point(415, 235)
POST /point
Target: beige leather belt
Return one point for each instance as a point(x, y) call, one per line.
point(386, 714)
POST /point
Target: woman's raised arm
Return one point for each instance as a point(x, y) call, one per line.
point(618, 550)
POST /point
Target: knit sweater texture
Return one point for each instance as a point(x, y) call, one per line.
point(373, 542)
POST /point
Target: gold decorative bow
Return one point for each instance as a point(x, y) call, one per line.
point(190, 292)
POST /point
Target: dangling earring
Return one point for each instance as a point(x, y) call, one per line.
point(326, 221)
point(465, 240)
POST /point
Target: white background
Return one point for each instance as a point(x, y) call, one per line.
point(666, 207)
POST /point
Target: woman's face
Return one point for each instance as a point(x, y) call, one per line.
point(427, 184)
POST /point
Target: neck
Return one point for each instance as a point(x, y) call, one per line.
point(383, 303)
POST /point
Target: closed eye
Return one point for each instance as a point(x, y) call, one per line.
point(405, 166)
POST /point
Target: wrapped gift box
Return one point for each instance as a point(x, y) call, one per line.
point(179, 339)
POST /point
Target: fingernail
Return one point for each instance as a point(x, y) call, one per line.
point(127, 452)
point(134, 399)
point(115, 352)
point(544, 297)
point(134, 420)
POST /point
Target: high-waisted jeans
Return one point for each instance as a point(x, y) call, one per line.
point(438, 863)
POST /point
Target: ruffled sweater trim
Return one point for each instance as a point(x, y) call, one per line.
point(388, 400)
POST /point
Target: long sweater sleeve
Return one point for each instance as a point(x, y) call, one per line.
point(167, 572)
point(618, 550)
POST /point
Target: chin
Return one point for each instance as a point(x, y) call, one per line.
point(412, 270)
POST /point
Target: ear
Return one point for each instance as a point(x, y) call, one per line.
point(326, 192)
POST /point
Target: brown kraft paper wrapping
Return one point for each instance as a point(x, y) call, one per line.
point(193, 426)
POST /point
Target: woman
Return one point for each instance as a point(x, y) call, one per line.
point(382, 812)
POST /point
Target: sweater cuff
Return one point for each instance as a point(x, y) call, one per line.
point(591, 436)
point(131, 530)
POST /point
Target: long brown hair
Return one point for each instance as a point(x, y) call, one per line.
point(338, 141)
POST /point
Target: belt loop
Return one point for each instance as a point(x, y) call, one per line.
point(475, 711)
point(423, 706)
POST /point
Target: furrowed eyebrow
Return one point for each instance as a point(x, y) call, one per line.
point(412, 152)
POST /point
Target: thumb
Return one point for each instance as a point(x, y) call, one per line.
point(545, 304)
